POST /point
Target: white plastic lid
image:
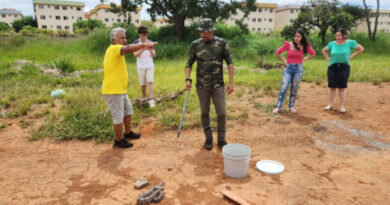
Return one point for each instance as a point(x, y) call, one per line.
point(270, 167)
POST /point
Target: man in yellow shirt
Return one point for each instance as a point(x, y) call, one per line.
point(114, 87)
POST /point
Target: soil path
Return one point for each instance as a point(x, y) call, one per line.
point(330, 158)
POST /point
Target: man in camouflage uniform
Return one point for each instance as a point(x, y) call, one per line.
point(209, 52)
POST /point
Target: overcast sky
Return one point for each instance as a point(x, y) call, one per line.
point(26, 6)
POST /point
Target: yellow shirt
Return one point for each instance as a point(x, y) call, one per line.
point(115, 71)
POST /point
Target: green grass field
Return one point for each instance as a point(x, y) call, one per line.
point(81, 113)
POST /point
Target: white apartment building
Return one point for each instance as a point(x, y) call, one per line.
point(383, 22)
point(159, 22)
point(101, 12)
point(262, 20)
point(10, 15)
point(285, 15)
point(58, 14)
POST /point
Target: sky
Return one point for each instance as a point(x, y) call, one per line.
point(26, 6)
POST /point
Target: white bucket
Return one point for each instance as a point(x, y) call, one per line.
point(236, 160)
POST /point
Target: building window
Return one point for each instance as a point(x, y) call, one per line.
point(72, 17)
point(48, 6)
point(118, 20)
point(291, 20)
point(49, 16)
point(80, 18)
point(71, 7)
point(265, 9)
point(43, 17)
point(106, 19)
point(260, 10)
point(270, 20)
point(41, 6)
point(51, 26)
point(271, 10)
point(292, 11)
point(124, 20)
point(56, 7)
point(64, 8)
point(137, 21)
point(78, 9)
point(3, 15)
point(65, 18)
point(58, 17)
point(253, 19)
point(259, 19)
point(258, 29)
point(58, 27)
point(253, 29)
point(66, 27)
point(44, 26)
point(106, 10)
point(15, 16)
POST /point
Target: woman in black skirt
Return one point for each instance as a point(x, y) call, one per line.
point(339, 67)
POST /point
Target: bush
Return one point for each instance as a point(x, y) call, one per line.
point(81, 31)
point(99, 40)
point(17, 41)
point(90, 24)
point(28, 30)
point(65, 65)
point(20, 23)
point(63, 33)
point(4, 27)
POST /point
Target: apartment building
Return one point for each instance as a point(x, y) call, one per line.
point(10, 15)
point(383, 22)
point(58, 14)
point(262, 20)
point(285, 15)
point(101, 12)
point(160, 22)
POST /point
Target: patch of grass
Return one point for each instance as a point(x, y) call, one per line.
point(65, 65)
point(264, 107)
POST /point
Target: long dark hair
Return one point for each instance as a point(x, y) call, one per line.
point(343, 31)
point(305, 43)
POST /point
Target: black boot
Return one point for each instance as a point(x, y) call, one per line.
point(122, 144)
point(222, 143)
point(208, 144)
point(131, 136)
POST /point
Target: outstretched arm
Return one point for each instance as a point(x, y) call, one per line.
point(131, 48)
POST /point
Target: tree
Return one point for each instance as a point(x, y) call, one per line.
point(357, 12)
point(372, 35)
point(177, 11)
point(126, 7)
point(20, 23)
point(321, 14)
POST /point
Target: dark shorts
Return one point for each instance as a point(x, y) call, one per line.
point(338, 75)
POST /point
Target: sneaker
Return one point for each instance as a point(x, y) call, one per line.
point(222, 143)
point(276, 111)
point(343, 110)
point(152, 104)
point(208, 144)
point(131, 136)
point(329, 107)
point(122, 144)
point(293, 110)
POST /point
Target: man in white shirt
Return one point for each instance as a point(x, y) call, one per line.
point(145, 65)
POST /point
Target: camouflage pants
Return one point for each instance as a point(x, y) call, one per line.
point(218, 97)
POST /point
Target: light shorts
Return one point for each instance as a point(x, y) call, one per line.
point(145, 75)
point(119, 106)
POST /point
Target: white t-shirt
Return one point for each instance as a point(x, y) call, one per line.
point(145, 60)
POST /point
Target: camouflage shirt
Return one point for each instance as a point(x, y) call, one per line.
point(209, 56)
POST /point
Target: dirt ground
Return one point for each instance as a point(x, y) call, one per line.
point(330, 158)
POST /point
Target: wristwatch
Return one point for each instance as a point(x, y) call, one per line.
point(189, 79)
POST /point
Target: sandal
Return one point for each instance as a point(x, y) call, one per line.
point(293, 110)
point(343, 110)
point(329, 107)
point(276, 111)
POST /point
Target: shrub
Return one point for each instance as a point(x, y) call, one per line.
point(99, 40)
point(65, 65)
point(17, 41)
point(20, 23)
point(81, 31)
point(63, 33)
point(4, 27)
